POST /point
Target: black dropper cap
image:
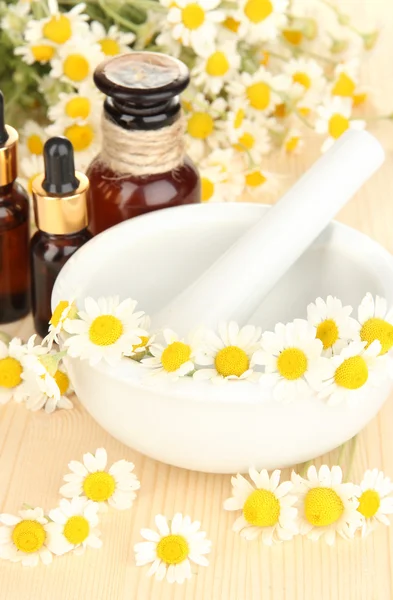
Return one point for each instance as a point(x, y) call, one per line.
point(60, 178)
point(3, 132)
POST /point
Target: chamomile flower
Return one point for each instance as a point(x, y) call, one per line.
point(106, 329)
point(260, 20)
point(222, 176)
point(267, 507)
point(139, 350)
point(259, 92)
point(352, 372)
point(30, 166)
point(77, 107)
point(307, 77)
point(203, 128)
point(170, 550)
point(335, 119)
point(292, 359)
point(228, 354)
point(116, 486)
point(113, 41)
point(24, 538)
point(376, 322)
point(66, 309)
point(293, 142)
point(346, 77)
point(326, 506)
point(84, 136)
point(216, 66)
point(59, 27)
point(335, 328)
point(73, 526)
point(11, 369)
point(251, 139)
point(375, 500)
point(75, 63)
point(261, 182)
point(175, 358)
point(41, 52)
point(195, 23)
point(14, 21)
point(34, 137)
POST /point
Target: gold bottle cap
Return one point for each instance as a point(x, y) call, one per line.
point(9, 157)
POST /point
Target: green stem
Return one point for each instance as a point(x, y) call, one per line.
point(118, 18)
point(276, 55)
point(378, 117)
point(317, 56)
point(352, 451)
point(303, 119)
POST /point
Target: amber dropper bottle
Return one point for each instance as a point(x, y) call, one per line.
point(14, 230)
point(60, 210)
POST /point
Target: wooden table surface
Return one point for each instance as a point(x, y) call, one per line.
point(35, 450)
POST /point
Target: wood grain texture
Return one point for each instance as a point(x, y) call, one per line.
point(35, 450)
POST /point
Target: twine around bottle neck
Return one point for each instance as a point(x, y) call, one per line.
point(141, 153)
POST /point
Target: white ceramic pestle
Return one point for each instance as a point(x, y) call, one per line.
point(234, 286)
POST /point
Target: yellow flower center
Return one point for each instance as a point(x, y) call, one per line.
point(57, 313)
point(76, 530)
point(109, 47)
point(369, 503)
point(10, 372)
point(359, 99)
point(323, 506)
point(28, 536)
point(217, 64)
point(303, 79)
point(81, 136)
point(35, 144)
point(231, 360)
point(78, 108)
point(293, 36)
point(327, 332)
point(193, 16)
point(240, 114)
point(172, 549)
point(258, 95)
point(207, 189)
point(265, 57)
point(292, 363)
point(246, 142)
point(255, 179)
point(261, 509)
point(99, 486)
point(344, 86)
point(292, 143)
point(200, 125)
point(304, 110)
point(337, 125)
point(76, 67)
point(175, 355)
point(139, 347)
point(43, 52)
point(280, 111)
point(58, 29)
point(352, 374)
point(377, 329)
point(258, 10)
point(231, 24)
point(105, 330)
point(62, 381)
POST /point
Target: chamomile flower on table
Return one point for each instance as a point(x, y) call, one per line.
point(24, 538)
point(334, 118)
point(73, 526)
point(58, 27)
point(227, 354)
point(203, 118)
point(41, 52)
point(113, 41)
point(216, 66)
point(376, 322)
point(259, 92)
point(346, 78)
point(251, 140)
point(30, 166)
point(33, 136)
point(292, 357)
point(222, 176)
point(293, 142)
point(307, 77)
point(327, 507)
point(260, 20)
point(375, 500)
point(84, 136)
point(11, 369)
point(76, 60)
point(105, 330)
point(92, 479)
point(195, 23)
point(267, 507)
point(334, 325)
point(173, 548)
point(77, 107)
point(173, 358)
point(65, 309)
point(259, 181)
point(353, 372)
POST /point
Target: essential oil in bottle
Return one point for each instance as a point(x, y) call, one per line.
point(142, 165)
point(60, 209)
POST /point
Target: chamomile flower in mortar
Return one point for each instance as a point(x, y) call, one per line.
point(307, 77)
point(259, 92)
point(24, 538)
point(34, 137)
point(31, 165)
point(222, 176)
point(267, 507)
point(346, 77)
point(260, 19)
point(66, 309)
point(292, 357)
point(203, 128)
point(335, 118)
point(216, 66)
point(173, 548)
point(139, 350)
point(75, 62)
point(174, 358)
point(376, 322)
point(92, 479)
point(352, 372)
point(335, 328)
point(73, 526)
point(327, 507)
point(227, 354)
point(113, 41)
point(195, 23)
point(11, 369)
point(375, 500)
point(58, 27)
point(41, 52)
point(77, 107)
point(251, 139)
point(106, 329)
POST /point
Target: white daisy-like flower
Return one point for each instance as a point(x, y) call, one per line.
point(346, 78)
point(267, 507)
point(66, 309)
point(335, 328)
point(261, 182)
point(139, 350)
point(307, 77)
point(14, 21)
point(172, 549)
point(115, 486)
point(326, 506)
point(228, 354)
point(375, 500)
point(84, 136)
point(175, 358)
point(34, 137)
point(215, 67)
point(222, 176)
point(352, 372)
point(293, 142)
point(292, 357)
point(24, 538)
point(31, 165)
point(75, 62)
point(74, 526)
point(11, 369)
point(376, 322)
point(41, 52)
point(335, 119)
point(113, 41)
point(194, 23)
point(58, 27)
point(260, 20)
point(260, 92)
point(77, 107)
point(252, 139)
point(106, 329)
point(203, 128)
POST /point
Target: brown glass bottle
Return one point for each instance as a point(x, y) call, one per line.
point(143, 99)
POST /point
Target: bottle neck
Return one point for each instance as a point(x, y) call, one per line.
point(58, 236)
point(130, 116)
point(6, 190)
